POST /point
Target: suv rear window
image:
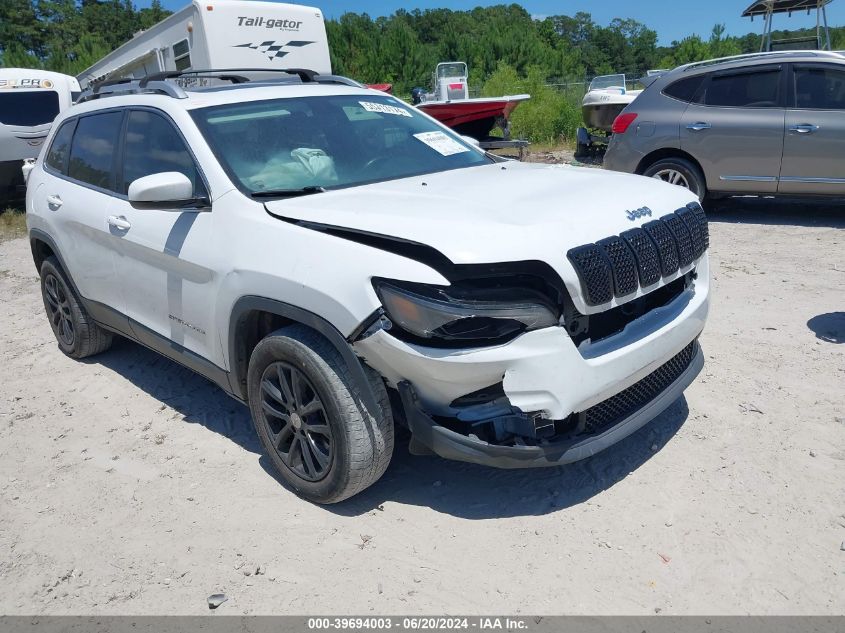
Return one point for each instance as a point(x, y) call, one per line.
point(819, 88)
point(744, 90)
point(684, 89)
point(92, 151)
point(60, 147)
point(28, 108)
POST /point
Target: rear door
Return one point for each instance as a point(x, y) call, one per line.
point(734, 128)
point(164, 256)
point(814, 146)
point(76, 192)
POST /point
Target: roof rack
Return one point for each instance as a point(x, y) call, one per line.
point(131, 86)
point(158, 83)
point(763, 55)
point(305, 75)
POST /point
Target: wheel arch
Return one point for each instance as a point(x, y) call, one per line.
point(42, 247)
point(667, 152)
point(254, 317)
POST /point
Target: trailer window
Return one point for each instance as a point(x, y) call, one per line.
point(182, 55)
point(28, 108)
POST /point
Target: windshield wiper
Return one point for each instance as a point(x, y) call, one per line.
point(289, 193)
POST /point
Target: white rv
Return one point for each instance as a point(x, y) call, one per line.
point(221, 34)
point(29, 101)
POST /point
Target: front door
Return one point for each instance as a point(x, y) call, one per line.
point(735, 129)
point(815, 131)
point(164, 259)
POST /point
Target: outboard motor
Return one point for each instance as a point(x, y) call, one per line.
point(417, 95)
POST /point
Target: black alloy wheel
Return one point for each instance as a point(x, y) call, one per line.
point(295, 419)
point(59, 309)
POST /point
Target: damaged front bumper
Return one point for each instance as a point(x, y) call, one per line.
point(577, 444)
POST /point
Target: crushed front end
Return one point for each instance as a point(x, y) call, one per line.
point(540, 364)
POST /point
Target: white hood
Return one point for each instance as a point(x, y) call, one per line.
point(495, 213)
point(505, 212)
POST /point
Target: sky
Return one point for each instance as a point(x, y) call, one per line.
point(672, 19)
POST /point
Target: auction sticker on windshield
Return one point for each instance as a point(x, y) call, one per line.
point(441, 142)
point(369, 106)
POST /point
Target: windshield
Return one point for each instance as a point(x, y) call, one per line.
point(452, 69)
point(28, 108)
point(605, 82)
point(328, 142)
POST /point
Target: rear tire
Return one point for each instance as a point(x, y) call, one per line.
point(77, 334)
point(681, 172)
point(311, 419)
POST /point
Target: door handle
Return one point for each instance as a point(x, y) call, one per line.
point(54, 201)
point(698, 127)
point(119, 222)
point(804, 128)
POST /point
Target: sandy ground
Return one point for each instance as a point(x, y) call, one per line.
point(129, 485)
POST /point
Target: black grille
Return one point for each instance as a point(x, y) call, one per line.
point(624, 404)
point(682, 238)
point(698, 237)
point(594, 270)
point(623, 265)
point(618, 265)
point(666, 247)
point(701, 217)
point(645, 250)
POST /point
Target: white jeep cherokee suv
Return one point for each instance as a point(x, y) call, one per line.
point(343, 263)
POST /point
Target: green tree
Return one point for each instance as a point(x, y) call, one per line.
point(722, 46)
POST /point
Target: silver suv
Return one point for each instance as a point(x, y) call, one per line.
point(769, 123)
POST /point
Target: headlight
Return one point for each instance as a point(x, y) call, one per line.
point(459, 314)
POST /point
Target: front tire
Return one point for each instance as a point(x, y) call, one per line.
point(311, 419)
point(681, 172)
point(76, 333)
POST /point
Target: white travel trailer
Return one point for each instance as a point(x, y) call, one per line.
point(29, 101)
point(221, 34)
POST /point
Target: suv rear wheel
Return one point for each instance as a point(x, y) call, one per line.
point(681, 172)
point(77, 334)
point(311, 419)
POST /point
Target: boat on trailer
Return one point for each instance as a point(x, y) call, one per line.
point(607, 96)
point(767, 9)
point(451, 104)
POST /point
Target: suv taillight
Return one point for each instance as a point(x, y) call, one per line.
point(623, 122)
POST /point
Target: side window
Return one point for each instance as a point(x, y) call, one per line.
point(92, 150)
point(153, 146)
point(684, 89)
point(182, 55)
point(819, 88)
point(60, 147)
point(744, 90)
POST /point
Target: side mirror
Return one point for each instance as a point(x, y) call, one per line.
point(472, 141)
point(166, 190)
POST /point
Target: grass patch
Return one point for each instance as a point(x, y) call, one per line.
point(12, 224)
point(560, 146)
